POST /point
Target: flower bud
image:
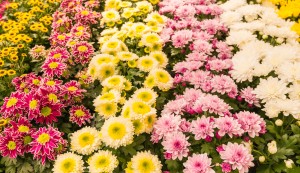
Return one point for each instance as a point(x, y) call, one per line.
point(272, 147)
point(278, 122)
point(289, 163)
point(262, 159)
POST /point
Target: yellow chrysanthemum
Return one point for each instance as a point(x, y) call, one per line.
point(110, 16)
point(68, 163)
point(106, 109)
point(103, 162)
point(163, 79)
point(86, 140)
point(150, 39)
point(145, 94)
point(160, 57)
point(147, 63)
point(145, 162)
point(117, 131)
point(127, 56)
point(114, 82)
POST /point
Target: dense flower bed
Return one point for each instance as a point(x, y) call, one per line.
point(149, 87)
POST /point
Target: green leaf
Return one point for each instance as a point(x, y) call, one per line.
point(294, 170)
point(10, 169)
point(263, 169)
point(8, 162)
point(25, 168)
point(173, 165)
point(295, 129)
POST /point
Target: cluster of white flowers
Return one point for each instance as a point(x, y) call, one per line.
point(268, 50)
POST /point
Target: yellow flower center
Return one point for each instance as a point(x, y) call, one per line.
point(114, 81)
point(43, 138)
point(162, 77)
point(140, 108)
point(102, 162)
point(11, 102)
point(72, 88)
point(57, 55)
point(152, 39)
point(117, 130)
point(126, 113)
point(112, 45)
point(61, 37)
point(46, 111)
point(82, 48)
point(107, 96)
point(33, 104)
point(147, 63)
point(145, 96)
point(23, 128)
point(85, 12)
point(68, 165)
point(11, 145)
point(36, 81)
point(146, 165)
point(53, 65)
point(110, 15)
point(86, 139)
point(52, 97)
point(50, 83)
point(38, 50)
point(79, 113)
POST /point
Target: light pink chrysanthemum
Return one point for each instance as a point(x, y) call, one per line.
point(167, 124)
point(176, 144)
point(37, 51)
point(198, 163)
point(202, 127)
point(228, 125)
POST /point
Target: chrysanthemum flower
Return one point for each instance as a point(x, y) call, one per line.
point(163, 79)
point(145, 94)
point(114, 82)
point(113, 45)
point(110, 16)
point(47, 142)
point(73, 89)
point(10, 146)
point(198, 163)
point(177, 145)
point(202, 127)
point(102, 161)
point(37, 52)
point(127, 56)
point(150, 39)
point(145, 162)
point(13, 105)
point(117, 131)
point(53, 67)
point(59, 53)
point(80, 115)
point(59, 39)
point(49, 113)
point(67, 163)
point(82, 52)
point(106, 109)
point(160, 57)
point(86, 140)
point(147, 63)
point(139, 109)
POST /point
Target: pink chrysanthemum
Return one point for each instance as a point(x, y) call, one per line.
point(80, 115)
point(228, 125)
point(176, 144)
point(80, 32)
point(72, 89)
point(10, 146)
point(53, 67)
point(224, 84)
point(251, 123)
point(48, 112)
point(13, 105)
point(198, 163)
point(63, 24)
point(82, 52)
point(47, 143)
point(249, 96)
point(32, 101)
point(167, 124)
point(59, 39)
point(238, 156)
point(59, 53)
point(202, 127)
point(86, 16)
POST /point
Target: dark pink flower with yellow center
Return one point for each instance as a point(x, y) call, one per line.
point(86, 16)
point(13, 105)
point(26, 82)
point(92, 3)
point(82, 52)
point(48, 112)
point(22, 126)
point(47, 83)
point(80, 115)
point(59, 39)
point(70, 5)
point(53, 67)
point(59, 53)
point(47, 143)
point(32, 101)
point(63, 24)
point(10, 146)
point(73, 89)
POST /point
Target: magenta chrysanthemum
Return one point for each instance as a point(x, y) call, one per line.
point(53, 67)
point(12, 105)
point(10, 146)
point(59, 53)
point(47, 143)
point(80, 115)
point(82, 52)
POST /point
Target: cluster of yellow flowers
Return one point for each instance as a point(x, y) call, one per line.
point(26, 22)
point(289, 9)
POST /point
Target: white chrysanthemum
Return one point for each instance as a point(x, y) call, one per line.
point(68, 162)
point(145, 94)
point(163, 79)
point(250, 26)
point(294, 91)
point(112, 4)
point(144, 6)
point(271, 88)
point(114, 82)
point(127, 56)
point(244, 63)
point(109, 31)
point(149, 39)
point(113, 45)
point(86, 140)
point(147, 63)
point(233, 4)
point(110, 16)
point(117, 131)
point(262, 69)
point(105, 70)
point(101, 59)
point(160, 57)
point(240, 37)
point(286, 106)
point(111, 95)
point(145, 162)
point(102, 161)
point(289, 72)
point(250, 12)
point(271, 109)
point(155, 16)
point(230, 17)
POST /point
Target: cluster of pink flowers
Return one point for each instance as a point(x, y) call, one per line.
point(203, 112)
point(70, 35)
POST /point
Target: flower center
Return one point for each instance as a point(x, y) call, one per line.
point(35, 81)
point(117, 130)
point(68, 165)
point(145, 166)
point(82, 48)
point(11, 102)
point(23, 128)
point(86, 139)
point(102, 162)
point(85, 12)
point(46, 111)
point(145, 96)
point(33, 104)
point(57, 55)
point(61, 37)
point(53, 65)
point(43, 138)
point(11, 145)
point(162, 77)
point(140, 108)
point(50, 83)
point(79, 113)
point(72, 88)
